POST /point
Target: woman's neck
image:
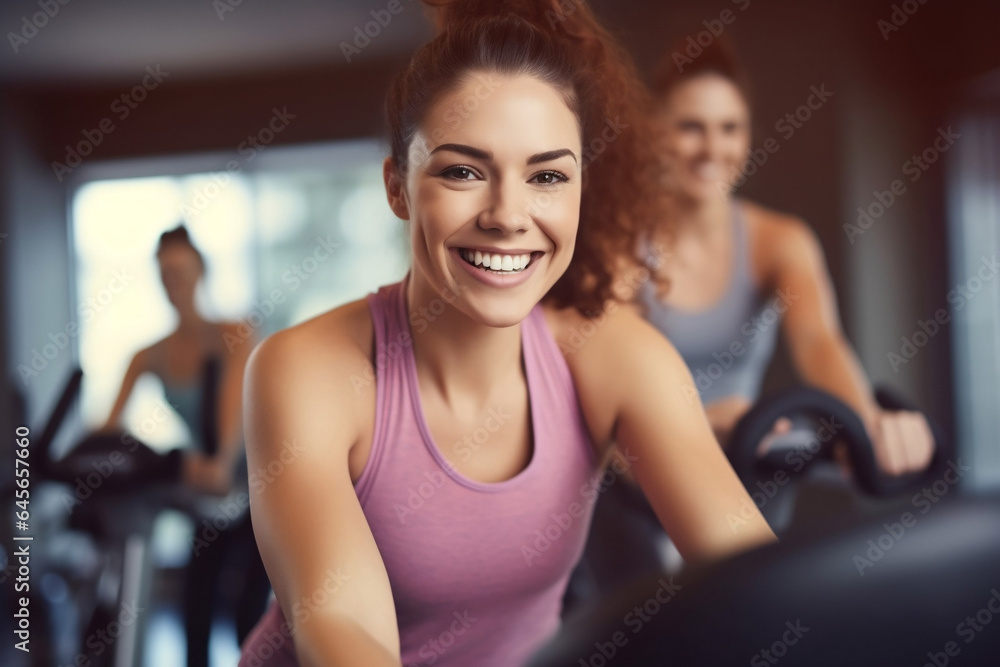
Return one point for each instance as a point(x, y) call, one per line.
point(190, 323)
point(465, 361)
point(703, 217)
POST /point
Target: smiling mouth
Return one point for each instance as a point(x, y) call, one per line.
point(497, 262)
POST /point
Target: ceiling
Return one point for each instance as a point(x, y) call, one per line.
point(113, 40)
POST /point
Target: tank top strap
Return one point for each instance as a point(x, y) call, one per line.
point(392, 341)
point(742, 273)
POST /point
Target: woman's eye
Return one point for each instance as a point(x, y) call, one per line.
point(459, 174)
point(549, 177)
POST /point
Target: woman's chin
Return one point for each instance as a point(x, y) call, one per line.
point(706, 191)
point(499, 313)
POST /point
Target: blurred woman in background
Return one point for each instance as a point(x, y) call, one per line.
point(179, 361)
point(731, 272)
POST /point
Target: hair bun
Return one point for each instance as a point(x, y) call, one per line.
point(548, 14)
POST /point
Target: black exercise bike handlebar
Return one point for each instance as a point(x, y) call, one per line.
point(838, 423)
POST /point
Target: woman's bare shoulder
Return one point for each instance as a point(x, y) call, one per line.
point(609, 356)
point(321, 366)
point(782, 238)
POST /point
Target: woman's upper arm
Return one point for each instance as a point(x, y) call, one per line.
point(804, 285)
point(318, 550)
point(660, 421)
point(138, 366)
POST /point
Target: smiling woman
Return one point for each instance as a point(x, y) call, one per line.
point(390, 539)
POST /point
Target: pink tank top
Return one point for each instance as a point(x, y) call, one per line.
point(477, 570)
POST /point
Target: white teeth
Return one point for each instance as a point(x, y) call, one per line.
point(495, 261)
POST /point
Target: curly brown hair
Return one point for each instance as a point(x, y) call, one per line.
point(563, 44)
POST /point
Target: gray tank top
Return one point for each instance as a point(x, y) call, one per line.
point(727, 346)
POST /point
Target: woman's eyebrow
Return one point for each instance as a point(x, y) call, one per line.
point(464, 150)
point(552, 155)
point(480, 154)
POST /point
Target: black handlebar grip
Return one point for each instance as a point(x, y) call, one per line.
point(844, 423)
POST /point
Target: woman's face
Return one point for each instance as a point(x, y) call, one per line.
point(705, 125)
point(180, 270)
point(494, 180)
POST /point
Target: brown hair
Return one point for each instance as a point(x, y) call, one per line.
point(178, 235)
point(719, 58)
point(566, 47)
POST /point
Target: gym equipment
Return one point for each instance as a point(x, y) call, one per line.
point(120, 485)
point(822, 421)
point(900, 589)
